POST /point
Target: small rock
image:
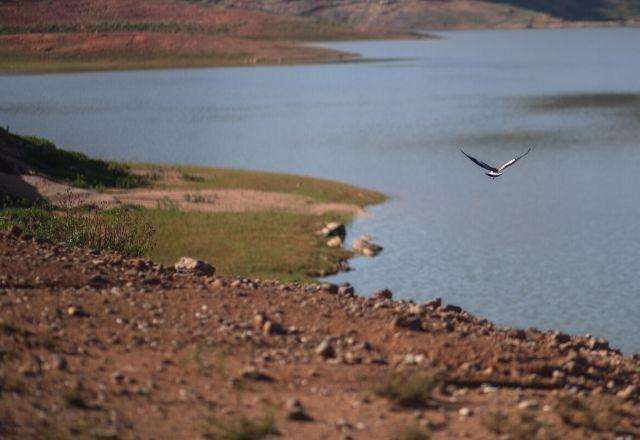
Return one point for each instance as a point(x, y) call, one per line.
point(252, 373)
point(272, 328)
point(192, 265)
point(346, 290)
point(14, 231)
point(434, 303)
point(334, 229)
point(452, 308)
point(383, 294)
point(117, 377)
point(325, 350)
point(334, 242)
point(98, 281)
point(561, 338)
point(528, 404)
point(58, 362)
point(330, 288)
point(364, 246)
point(628, 392)
point(410, 323)
point(76, 311)
point(295, 411)
point(465, 412)
point(218, 283)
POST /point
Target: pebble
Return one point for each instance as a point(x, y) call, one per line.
point(325, 350)
point(295, 411)
point(465, 412)
point(383, 294)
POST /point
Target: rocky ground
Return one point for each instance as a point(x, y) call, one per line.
point(93, 345)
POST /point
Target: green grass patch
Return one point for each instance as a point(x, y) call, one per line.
point(124, 229)
point(220, 178)
point(269, 245)
point(70, 166)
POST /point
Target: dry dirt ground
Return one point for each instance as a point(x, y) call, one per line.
point(203, 200)
point(93, 345)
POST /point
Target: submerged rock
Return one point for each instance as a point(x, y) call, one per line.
point(364, 246)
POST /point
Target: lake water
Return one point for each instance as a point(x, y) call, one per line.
point(554, 243)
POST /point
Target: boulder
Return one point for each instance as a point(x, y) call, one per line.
point(197, 267)
point(333, 229)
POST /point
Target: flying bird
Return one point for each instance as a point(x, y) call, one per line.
point(495, 171)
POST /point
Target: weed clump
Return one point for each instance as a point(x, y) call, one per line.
point(242, 428)
point(121, 229)
point(410, 391)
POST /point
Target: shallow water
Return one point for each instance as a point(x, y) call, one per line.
point(553, 243)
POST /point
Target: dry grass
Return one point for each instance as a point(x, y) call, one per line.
point(603, 414)
point(192, 177)
point(241, 428)
point(412, 390)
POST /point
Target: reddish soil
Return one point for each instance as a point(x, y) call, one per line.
point(97, 346)
point(159, 29)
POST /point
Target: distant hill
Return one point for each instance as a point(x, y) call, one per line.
point(436, 14)
point(572, 10)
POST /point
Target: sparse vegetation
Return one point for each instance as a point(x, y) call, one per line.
point(199, 178)
point(9, 385)
point(414, 433)
point(412, 390)
point(603, 414)
point(74, 397)
point(197, 198)
point(496, 422)
point(73, 167)
point(525, 424)
point(241, 427)
point(124, 229)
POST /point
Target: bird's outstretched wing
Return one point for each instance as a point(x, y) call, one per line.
point(480, 163)
point(512, 161)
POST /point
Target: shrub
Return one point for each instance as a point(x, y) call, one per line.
point(242, 428)
point(409, 391)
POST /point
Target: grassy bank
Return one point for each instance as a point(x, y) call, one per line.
point(268, 245)
point(200, 178)
point(274, 244)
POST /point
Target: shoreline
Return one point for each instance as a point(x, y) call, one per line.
point(250, 223)
point(293, 53)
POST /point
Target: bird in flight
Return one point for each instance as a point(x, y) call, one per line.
point(495, 171)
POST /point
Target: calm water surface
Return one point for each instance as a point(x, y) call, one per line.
point(554, 243)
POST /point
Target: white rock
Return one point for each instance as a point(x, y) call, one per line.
point(192, 265)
